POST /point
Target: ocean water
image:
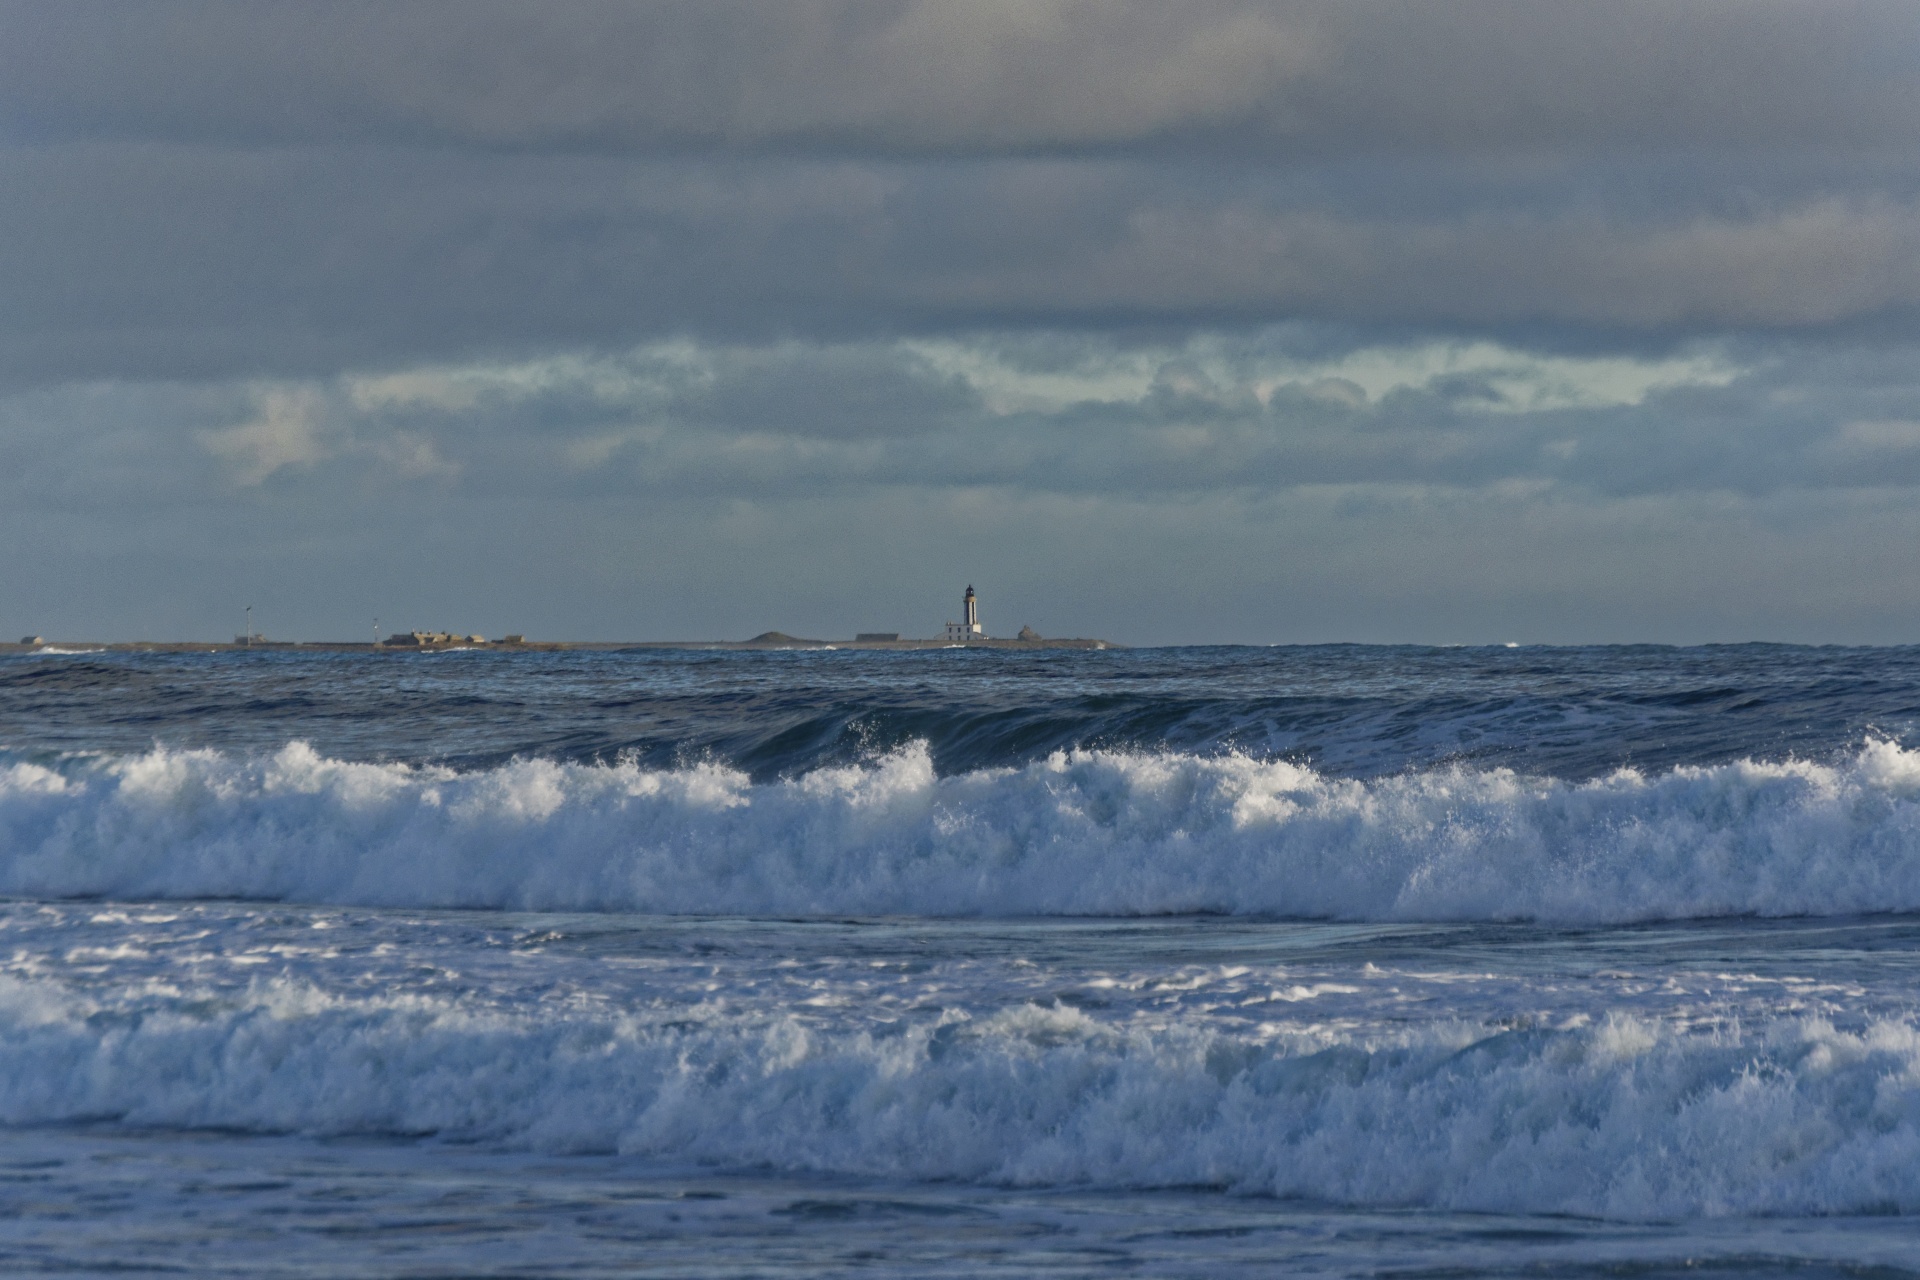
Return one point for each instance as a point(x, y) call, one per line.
point(1320, 961)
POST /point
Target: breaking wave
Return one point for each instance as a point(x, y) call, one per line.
point(1084, 833)
point(1621, 1118)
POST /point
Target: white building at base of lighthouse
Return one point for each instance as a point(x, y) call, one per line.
point(961, 632)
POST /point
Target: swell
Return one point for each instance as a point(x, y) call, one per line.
point(1622, 1117)
point(1082, 833)
point(1355, 711)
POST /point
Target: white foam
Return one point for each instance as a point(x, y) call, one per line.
point(1082, 833)
point(1623, 1118)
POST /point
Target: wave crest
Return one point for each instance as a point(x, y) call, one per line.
point(1082, 833)
point(1621, 1118)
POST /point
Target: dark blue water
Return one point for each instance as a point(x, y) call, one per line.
point(1338, 961)
point(1348, 710)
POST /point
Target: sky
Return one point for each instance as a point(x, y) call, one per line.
point(1477, 321)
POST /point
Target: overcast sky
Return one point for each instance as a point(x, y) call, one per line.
point(1169, 323)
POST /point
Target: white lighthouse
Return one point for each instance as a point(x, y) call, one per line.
point(961, 632)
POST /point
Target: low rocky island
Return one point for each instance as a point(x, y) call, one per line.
point(968, 634)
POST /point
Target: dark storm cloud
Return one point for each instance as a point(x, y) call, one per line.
point(123, 259)
point(209, 189)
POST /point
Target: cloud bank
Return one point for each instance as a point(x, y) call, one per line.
point(1483, 320)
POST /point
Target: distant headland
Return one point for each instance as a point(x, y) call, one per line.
point(967, 633)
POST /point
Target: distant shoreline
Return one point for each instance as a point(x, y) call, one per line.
point(534, 646)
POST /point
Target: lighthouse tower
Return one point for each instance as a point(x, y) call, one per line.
point(961, 632)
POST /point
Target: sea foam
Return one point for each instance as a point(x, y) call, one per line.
point(1622, 1117)
point(1080, 833)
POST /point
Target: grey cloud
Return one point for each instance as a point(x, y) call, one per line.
point(1225, 412)
point(993, 76)
point(213, 189)
point(1246, 412)
point(1804, 264)
point(1249, 480)
point(619, 75)
point(1310, 320)
point(146, 260)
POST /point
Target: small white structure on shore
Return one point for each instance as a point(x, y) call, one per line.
point(961, 632)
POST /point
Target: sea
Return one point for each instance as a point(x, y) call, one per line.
point(1319, 961)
